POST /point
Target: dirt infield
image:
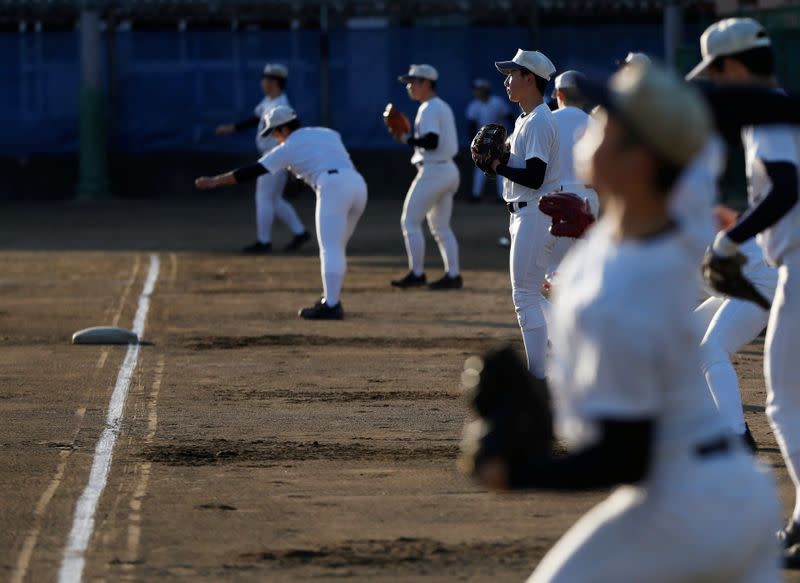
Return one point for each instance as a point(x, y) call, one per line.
point(256, 446)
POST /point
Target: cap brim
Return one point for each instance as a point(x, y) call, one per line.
point(505, 67)
point(699, 69)
point(265, 132)
point(407, 78)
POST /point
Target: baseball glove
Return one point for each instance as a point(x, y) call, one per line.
point(571, 214)
point(514, 422)
point(488, 145)
point(724, 274)
point(396, 121)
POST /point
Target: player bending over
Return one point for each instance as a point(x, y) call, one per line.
point(269, 187)
point(318, 157)
point(629, 400)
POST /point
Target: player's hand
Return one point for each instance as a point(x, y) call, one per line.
point(725, 216)
point(205, 183)
point(495, 164)
point(225, 130)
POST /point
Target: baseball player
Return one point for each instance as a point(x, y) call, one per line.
point(430, 196)
point(485, 108)
point(630, 402)
point(318, 157)
point(634, 58)
point(533, 169)
point(571, 121)
point(269, 187)
point(738, 50)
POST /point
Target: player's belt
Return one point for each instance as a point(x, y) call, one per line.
point(333, 171)
point(714, 447)
point(420, 164)
point(515, 206)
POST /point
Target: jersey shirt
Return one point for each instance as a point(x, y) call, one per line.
point(435, 116)
point(493, 110)
point(535, 135)
point(571, 123)
point(266, 105)
point(772, 144)
point(624, 342)
point(308, 153)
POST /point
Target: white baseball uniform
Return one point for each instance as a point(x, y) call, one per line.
point(431, 192)
point(781, 245)
point(493, 110)
point(730, 324)
point(535, 135)
point(624, 348)
point(269, 187)
point(318, 157)
point(571, 123)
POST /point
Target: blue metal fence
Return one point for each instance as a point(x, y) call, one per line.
point(171, 88)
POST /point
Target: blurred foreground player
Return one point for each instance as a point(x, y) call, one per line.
point(269, 187)
point(318, 157)
point(738, 51)
point(630, 403)
point(430, 195)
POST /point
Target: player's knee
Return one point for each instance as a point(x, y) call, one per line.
point(529, 306)
point(712, 353)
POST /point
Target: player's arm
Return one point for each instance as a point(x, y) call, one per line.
point(774, 206)
point(737, 106)
point(429, 141)
point(238, 176)
point(247, 123)
point(532, 176)
point(621, 455)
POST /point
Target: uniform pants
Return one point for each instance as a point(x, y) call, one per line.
point(270, 203)
point(341, 200)
point(479, 179)
point(733, 324)
point(529, 258)
point(782, 367)
point(431, 196)
point(561, 245)
point(712, 522)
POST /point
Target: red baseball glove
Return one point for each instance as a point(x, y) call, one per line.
point(571, 214)
point(396, 121)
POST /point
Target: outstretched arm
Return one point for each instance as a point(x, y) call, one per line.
point(243, 174)
point(229, 128)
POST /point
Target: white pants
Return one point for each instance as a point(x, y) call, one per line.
point(270, 203)
point(479, 179)
point(562, 245)
point(730, 324)
point(531, 245)
point(431, 196)
point(782, 367)
point(712, 522)
point(341, 200)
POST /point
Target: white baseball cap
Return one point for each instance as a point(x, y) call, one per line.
point(635, 58)
point(665, 113)
point(728, 37)
point(533, 61)
point(275, 70)
point(419, 72)
point(277, 117)
point(568, 79)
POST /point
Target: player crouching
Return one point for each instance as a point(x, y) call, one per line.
point(318, 157)
point(629, 399)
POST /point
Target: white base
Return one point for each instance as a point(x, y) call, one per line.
point(104, 335)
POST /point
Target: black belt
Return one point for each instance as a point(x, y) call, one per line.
point(334, 171)
point(714, 447)
point(520, 205)
point(419, 164)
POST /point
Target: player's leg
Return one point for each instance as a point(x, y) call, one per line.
point(439, 217)
point(265, 212)
point(529, 258)
point(478, 181)
point(782, 370)
point(733, 326)
point(418, 200)
point(499, 180)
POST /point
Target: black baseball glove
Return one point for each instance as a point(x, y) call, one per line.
point(488, 145)
point(512, 420)
point(724, 274)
